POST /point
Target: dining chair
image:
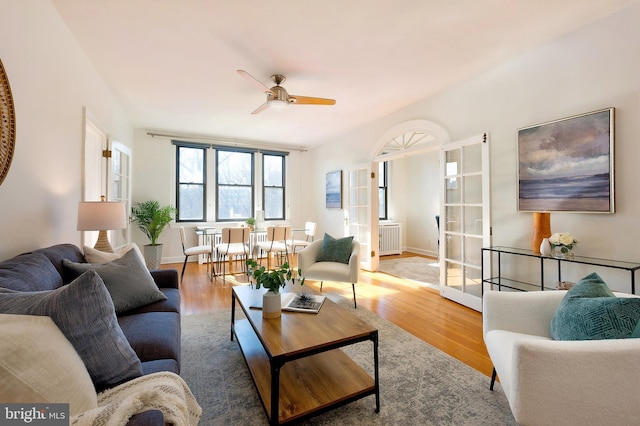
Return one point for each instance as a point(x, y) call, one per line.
point(276, 243)
point(234, 243)
point(310, 234)
point(193, 251)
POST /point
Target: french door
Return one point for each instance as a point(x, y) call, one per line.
point(464, 219)
point(119, 186)
point(107, 172)
point(358, 218)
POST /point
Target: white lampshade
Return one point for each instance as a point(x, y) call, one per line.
point(101, 215)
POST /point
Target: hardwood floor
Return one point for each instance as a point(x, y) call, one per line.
point(453, 328)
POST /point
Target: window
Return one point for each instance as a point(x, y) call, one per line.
point(234, 185)
point(382, 190)
point(191, 184)
point(245, 180)
point(273, 186)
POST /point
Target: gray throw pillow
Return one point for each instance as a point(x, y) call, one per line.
point(335, 250)
point(127, 279)
point(84, 312)
point(590, 311)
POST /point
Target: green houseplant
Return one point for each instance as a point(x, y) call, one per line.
point(251, 222)
point(272, 280)
point(151, 220)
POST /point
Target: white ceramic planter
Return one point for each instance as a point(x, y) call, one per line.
point(153, 256)
point(271, 307)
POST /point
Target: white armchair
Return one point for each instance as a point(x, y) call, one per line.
point(330, 271)
point(551, 382)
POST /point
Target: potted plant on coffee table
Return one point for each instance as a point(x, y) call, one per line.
point(273, 281)
point(152, 219)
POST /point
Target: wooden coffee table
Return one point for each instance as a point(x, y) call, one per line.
point(295, 360)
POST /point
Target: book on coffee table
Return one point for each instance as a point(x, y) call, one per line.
point(310, 303)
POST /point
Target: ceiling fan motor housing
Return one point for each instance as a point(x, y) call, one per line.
point(278, 94)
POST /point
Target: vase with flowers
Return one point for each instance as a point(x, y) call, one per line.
point(562, 245)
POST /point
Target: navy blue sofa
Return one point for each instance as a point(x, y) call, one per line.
point(153, 330)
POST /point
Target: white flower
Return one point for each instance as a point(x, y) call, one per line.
point(563, 239)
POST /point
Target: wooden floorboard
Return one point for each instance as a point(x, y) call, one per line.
point(421, 311)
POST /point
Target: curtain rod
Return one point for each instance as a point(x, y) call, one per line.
point(226, 142)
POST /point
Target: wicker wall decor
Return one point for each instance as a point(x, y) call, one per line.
point(7, 125)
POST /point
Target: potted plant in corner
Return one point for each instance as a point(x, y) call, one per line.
point(152, 219)
point(272, 280)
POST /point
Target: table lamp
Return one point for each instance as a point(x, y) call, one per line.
point(102, 216)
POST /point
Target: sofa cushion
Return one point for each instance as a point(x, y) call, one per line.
point(39, 365)
point(29, 272)
point(127, 279)
point(153, 335)
point(335, 250)
point(84, 312)
point(57, 253)
point(158, 365)
point(92, 255)
point(170, 304)
point(590, 311)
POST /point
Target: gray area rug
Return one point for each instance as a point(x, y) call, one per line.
point(422, 270)
point(419, 384)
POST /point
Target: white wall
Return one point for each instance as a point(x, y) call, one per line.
point(592, 68)
point(154, 179)
point(51, 80)
point(414, 200)
point(422, 196)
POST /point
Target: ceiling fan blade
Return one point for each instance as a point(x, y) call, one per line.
point(295, 99)
point(252, 79)
point(261, 108)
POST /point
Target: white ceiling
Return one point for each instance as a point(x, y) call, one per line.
point(172, 63)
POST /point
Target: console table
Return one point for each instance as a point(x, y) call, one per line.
point(501, 281)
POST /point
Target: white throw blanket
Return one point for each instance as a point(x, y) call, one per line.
point(162, 391)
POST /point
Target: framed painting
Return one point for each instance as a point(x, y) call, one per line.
point(567, 165)
point(333, 195)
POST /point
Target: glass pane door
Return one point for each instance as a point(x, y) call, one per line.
point(465, 225)
point(359, 212)
point(120, 187)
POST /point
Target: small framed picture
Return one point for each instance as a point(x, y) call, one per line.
point(333, 195)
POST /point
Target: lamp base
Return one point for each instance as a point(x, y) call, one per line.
point(103, 243)
point(541, 230)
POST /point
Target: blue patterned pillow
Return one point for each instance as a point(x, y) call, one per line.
point(590, 311)
point(84, 312)
point(335, 250)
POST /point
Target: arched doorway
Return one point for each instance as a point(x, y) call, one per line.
point(410, 138)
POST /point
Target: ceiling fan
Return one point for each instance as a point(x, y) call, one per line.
point(277, 96)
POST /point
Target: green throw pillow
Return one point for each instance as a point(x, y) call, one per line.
point(335, 250)
point(128, 280)
point(590, 311)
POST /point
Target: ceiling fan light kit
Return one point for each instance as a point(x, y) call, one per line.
point(277, 96)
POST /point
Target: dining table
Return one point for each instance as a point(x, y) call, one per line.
point(212, 232)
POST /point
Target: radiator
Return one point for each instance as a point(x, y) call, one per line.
point(390, 238)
